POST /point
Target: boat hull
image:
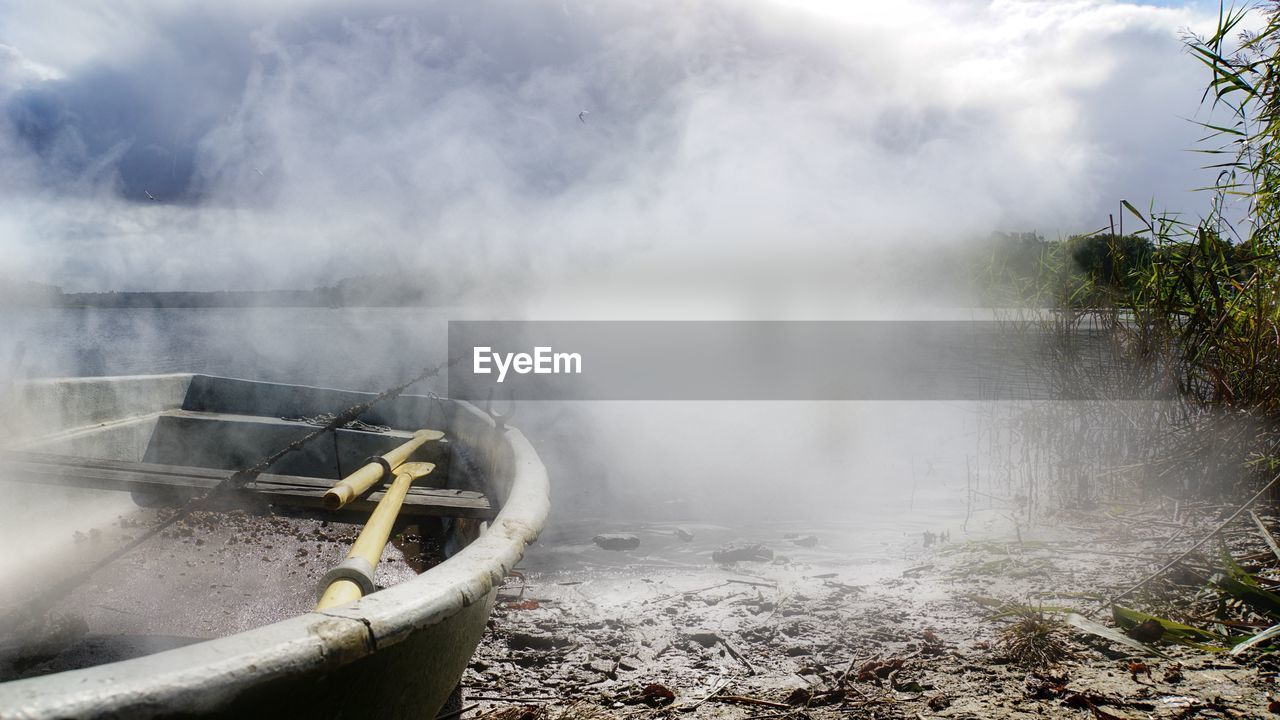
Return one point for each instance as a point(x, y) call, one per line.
point(396, 653)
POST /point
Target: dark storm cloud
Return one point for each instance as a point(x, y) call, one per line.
point(142, 111)
point(148, 111)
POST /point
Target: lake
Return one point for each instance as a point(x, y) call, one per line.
point(739, 460)
point(357, 348)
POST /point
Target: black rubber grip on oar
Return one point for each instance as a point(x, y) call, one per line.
point(386, 466)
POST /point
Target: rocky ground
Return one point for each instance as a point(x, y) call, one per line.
point(908, 626)
point(887, 617)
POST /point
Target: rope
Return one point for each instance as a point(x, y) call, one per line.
point(337, 456)
point(240, 477)
point(235, 482)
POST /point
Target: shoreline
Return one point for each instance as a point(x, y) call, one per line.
point(814, 636)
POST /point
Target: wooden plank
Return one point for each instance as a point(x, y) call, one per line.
point(179, 475)
point(152, 468)
point(290, 490)
point(228, 442)
point(264, 420)
point(440, 503)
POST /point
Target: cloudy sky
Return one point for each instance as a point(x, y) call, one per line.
point(147, 144)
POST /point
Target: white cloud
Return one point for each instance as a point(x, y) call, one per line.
point(332, 138)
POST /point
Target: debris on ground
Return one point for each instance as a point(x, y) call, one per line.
point(807, 541)
point(742, 552)
point(657, 695)
point(617, 541)
point(966, 634)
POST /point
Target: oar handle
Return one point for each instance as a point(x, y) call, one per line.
point(359, 482)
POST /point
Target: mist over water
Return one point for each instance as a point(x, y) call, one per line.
point(730, 461)
point(356, 349)
point(735, 160)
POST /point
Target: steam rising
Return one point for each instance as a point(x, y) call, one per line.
point(738, 159)
point(766, 147)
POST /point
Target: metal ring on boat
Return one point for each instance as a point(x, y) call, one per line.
point(356, 569)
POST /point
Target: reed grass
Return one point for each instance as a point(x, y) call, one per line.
point(1186, 313)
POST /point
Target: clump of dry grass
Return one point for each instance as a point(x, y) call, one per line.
point(1035, 640)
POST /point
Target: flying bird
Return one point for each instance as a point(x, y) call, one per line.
point(583, 116)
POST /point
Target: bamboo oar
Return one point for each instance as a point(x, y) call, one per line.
point(353, 578)
point(358, 482)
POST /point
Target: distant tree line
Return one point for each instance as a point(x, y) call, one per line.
point(1099, 269)
point(402, 290)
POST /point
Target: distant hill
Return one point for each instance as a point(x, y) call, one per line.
point(270, 298)
point(416, 289)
